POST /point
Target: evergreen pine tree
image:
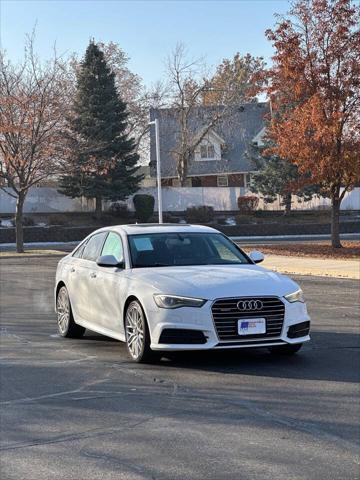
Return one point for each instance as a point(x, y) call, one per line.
point(276, 176)
point(102, 160)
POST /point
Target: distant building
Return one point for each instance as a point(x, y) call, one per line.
point(147, 180)
point(221, 158)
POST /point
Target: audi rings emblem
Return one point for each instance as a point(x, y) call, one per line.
point(245, 305)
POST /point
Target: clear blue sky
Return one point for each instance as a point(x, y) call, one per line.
point(146, 30)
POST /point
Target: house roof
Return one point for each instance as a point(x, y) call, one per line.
point(237, 131)
point(212, 134)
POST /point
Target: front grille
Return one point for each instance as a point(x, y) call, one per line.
point(226, 315)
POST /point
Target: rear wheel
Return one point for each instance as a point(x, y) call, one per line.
point(137, 334)
point(285, 349)
point(65, 320)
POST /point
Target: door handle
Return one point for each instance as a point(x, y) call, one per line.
point(72, 270)
point(92, 275)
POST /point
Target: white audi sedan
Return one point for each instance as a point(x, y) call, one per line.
point(176, 287)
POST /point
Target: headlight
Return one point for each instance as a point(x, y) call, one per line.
point(174, 301)
point(297, 296)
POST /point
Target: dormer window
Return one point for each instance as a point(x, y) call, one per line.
point(207, 152)
point(210, 148)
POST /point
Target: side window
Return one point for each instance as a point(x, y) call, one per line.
point(78, 252)
point(93, 246)
point(113, 246)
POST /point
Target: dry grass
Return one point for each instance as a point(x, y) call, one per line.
point(350, 250)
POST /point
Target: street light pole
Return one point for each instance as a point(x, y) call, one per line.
point(158, 168)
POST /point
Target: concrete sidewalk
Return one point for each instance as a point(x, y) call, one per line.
point(322, 267)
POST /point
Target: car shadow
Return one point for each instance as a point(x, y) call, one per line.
point(329, 356)
point(97, 337)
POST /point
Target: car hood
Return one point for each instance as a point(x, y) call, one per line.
point(216, 281)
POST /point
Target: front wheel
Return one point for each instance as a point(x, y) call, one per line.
point(65, 321)
point(137, 334)
point(285, 349)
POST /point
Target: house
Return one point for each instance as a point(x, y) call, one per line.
point(221, 159)
point(148, 181)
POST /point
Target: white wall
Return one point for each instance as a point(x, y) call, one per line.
point(48, 200)
point(180, 198)
point(351, 201)
point(45, 200)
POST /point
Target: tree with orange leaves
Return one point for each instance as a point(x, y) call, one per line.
point(32, 103)
point(314, 85)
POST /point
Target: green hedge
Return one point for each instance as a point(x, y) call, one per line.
point(144, 207)
point(202, 214)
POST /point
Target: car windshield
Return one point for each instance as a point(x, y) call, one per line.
point(176, 249)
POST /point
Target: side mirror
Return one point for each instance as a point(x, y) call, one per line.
point(256, 256)
point(109, 261)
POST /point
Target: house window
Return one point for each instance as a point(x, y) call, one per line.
point(211, 151)
point(203, 151)
point(207, 151)
point(222, 181)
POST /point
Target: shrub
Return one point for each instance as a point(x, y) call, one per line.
point(169, 218)
point(248, 204)
point(242, 219)
point(201, 214)
point(221, 221)
point(58, 220)
point(144, 207)
point(27, 222)
point(118, 209)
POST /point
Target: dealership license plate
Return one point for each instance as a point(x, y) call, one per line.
point(251, 326)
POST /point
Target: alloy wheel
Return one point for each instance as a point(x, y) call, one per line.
point(135, 334)
point(63, 310)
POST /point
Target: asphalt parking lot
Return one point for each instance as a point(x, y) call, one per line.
point(79, 409)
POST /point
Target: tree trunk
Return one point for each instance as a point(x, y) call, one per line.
point(19, 223)
point(98, 207)
point(335, 222)
point(182, 168)
point(287, 203)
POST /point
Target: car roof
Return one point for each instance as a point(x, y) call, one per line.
point(141, 228)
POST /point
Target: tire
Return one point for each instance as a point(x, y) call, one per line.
point(286, 349)
point(65, 320)
point(137, 334)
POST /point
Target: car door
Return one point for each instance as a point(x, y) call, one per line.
point(83, 275)
point(110, 285)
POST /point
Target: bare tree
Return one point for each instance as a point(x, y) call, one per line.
point(33, 98)
point(190, 86)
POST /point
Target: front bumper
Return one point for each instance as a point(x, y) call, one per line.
point(201, 320)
